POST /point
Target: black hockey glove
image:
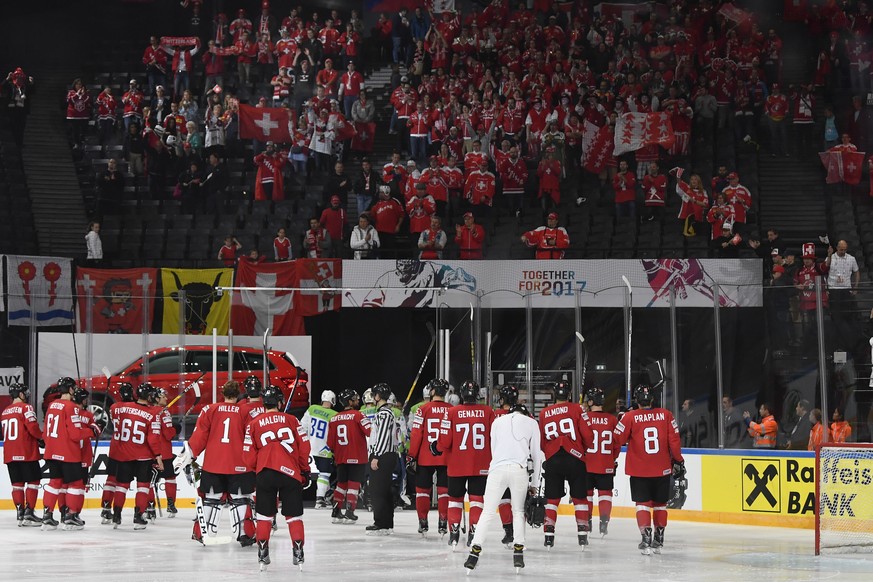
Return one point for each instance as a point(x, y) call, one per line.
point(411, 465)
point(679, 470)
point(434, 450)
point(40, 443)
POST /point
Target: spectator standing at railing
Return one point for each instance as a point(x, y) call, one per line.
point(816, 434)
point(804, 282)
point(155, 60)
point(798, 438)
point(733, 424)
point(365, 239)
point(843, 280)
point(549, 240)
point(763, 433)
point(94, 245)
point(78, 111)
point(469, 237)
point(840, 430)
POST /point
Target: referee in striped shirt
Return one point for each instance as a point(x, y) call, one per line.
point(383, 461)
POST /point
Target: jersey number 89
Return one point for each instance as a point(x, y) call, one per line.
point(553, 430)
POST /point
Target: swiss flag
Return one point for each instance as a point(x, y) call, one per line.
point(363, 138)
point(322, 275)
point(344, 129)
point(635, 130)
point(264, 123)
point(253, 311)
point(843, 166)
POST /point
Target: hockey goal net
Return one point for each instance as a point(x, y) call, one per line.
point(844, 498)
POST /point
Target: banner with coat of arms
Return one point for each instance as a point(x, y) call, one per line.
point(118, 300)
point(39, 286)
point(205, 308)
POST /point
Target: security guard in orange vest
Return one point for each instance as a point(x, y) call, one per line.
point(763, 433)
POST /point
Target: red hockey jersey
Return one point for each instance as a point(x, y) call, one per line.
point(652, 438)
point(426, 430)
point(64, 432)
point(20, 433)
point(220, 431)
point(347, 434)
point(564, 426)
point(465, 439)
point(137, 431)
point(600, 456)
point(275, 440)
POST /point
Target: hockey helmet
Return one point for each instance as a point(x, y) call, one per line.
point(80, 396)
point(144, 391)
point(125, 389)
point(519, 407)
point(368, 396)
point(382, 390)
point(328, 396)
point(508, 394)
point(66, 384)
point(347, 397)
point(438, 387)
point(253, 386)
point(17, 390)
point(644, 394)
point(453, 399)
point(272, 397)
point(392, 399)
point(596, 396)
point(562, 390)
point(469, 392)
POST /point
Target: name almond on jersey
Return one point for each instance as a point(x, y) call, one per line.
point(555, 411)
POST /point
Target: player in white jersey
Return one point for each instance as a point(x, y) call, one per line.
point(315, 422)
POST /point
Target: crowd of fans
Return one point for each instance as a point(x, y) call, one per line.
point(490, 111)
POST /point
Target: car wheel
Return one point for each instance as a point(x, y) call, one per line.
point(99, 407)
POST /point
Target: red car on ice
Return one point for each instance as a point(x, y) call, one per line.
point(164, 372)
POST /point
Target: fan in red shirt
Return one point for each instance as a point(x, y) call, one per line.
point(268, 182)
point(388, 214)
point(600, 458)
point(513, 174)
point(550, 240)
point(654, 191)
point(549, 173)
point(137, 432)
point(333, 219)
point(624, 183)
point(64, 433)
point(469, 237)
point(277, 448)
point(426, 430)
point(420, 208)
point(479, 190)
point(565, 435)
point(219, 434)
point(465, 434)
point(347, 434)
point(653, 454)
point(281, 246)
point(433, 178)
point(21, 436)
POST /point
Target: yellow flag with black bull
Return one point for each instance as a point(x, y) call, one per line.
point(205, 308)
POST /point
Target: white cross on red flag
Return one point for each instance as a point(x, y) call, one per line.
point(635, 130)
point(843, 166)
point(264, 123)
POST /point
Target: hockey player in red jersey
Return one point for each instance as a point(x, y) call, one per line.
point(600, 458)
point(465, 438)
point(63, 434)
point(125, 390)
point(80, 397)
point(137, 432)
point(347, 434)
point(158, 401)
point(251, 407)
point(565, 435)
point(653, 454)
point(507, 396)
point(21, 438)
point(426, 430)
point(276, 447)
point(219, 433)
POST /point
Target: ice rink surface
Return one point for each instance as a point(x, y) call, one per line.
point(164, 552)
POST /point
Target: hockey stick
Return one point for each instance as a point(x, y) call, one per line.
point(630, 334)
point(156, 473)
point(297, 370)
point(423, 362)
point(195, 386)
point(581, 339)
point(472, 344)
point(351, 298)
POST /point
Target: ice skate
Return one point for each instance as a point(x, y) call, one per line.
point(320, 504)
point(245, 541)
point(645, 546)
point(263, 555)
point(582, 536)
point(549, 541)
point(443, 527)
point(30, 520)
point(470, 535)
point(106, 514)
point(150, 513)
point(349, 517)
point(422, 527)
point(19, 515)
point(473, 559)
point(518, 557)
point(171, 509)
point(508, 536)
point(48, 521)
point(336, 514)
point(73, 522)
point(604, 527)
point(139, 521)
point(658, 540)
point(297, 558)
point(454, 536)
point(116, 518)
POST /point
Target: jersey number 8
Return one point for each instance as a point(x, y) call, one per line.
point(554, 430)
point(651, 442)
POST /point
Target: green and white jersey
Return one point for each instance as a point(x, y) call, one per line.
point(315, 422)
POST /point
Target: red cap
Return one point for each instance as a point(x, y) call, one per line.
point(265, 4)
point(468, 215)
point(733, 176)
point(778, 269)
point(553, 216)
point(335, 198)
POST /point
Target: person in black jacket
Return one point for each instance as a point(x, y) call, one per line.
point(190, 182)
point(725, 246)
point(215, 184)
point(339, 184)
point(366, 186)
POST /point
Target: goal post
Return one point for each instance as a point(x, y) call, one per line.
point(843, 498)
